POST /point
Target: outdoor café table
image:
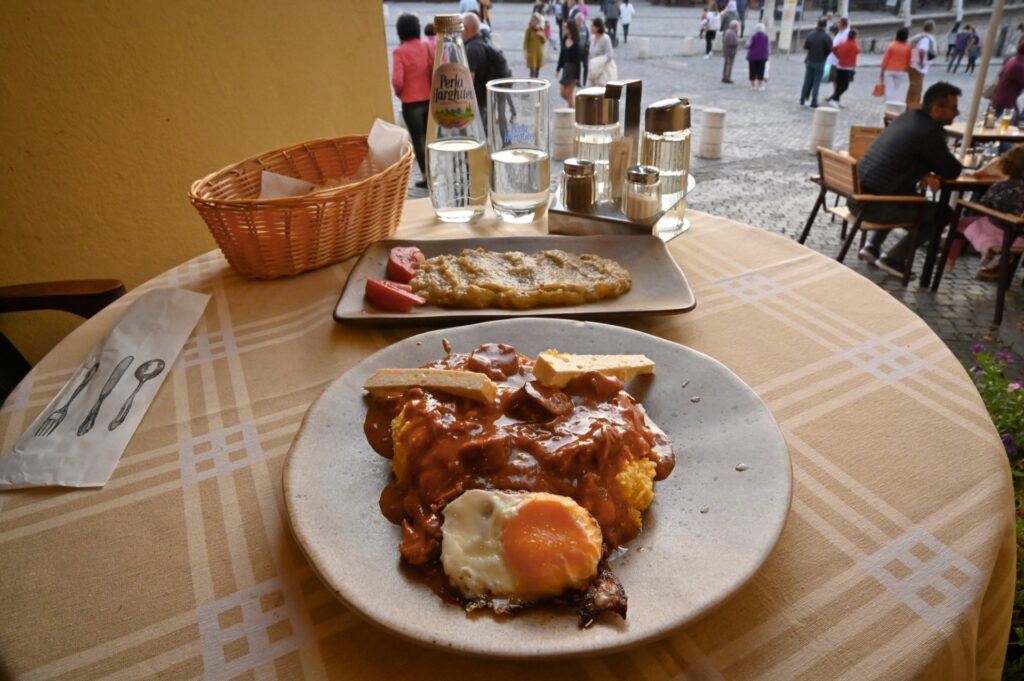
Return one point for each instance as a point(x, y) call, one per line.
point(1013, 134)
point(965, 183)
point(896, 561)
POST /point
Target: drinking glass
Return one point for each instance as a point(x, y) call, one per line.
point(517, 134)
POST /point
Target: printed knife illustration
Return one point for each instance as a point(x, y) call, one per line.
point(57, 416)
point(108, 388)
point(146, 371)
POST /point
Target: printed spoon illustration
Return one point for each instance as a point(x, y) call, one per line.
point(108, 388)
point(146, 371)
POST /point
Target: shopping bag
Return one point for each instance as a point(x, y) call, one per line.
point(879, 90)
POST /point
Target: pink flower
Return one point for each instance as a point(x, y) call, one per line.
point(1013, 386)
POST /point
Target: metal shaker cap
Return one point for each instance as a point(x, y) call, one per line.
point(642, 174)
point(668, 115)
point(578, 167)
point(593, 108)
point(448, 23)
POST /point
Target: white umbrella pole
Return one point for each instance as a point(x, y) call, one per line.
point(979, 83)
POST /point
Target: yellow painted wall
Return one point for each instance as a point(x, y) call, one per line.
point(109, 109)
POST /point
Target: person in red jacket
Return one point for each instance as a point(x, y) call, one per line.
point(846, 52)
point(412, 67)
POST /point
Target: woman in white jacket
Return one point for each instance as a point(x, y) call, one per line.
point(602, 68)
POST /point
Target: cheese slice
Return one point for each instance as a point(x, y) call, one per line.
point(557, 368)
point(462, 383)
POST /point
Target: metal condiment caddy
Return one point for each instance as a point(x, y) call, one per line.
point(601, 144)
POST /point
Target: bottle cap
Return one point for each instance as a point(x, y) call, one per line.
point(668, 115)
point(593, 108)
point(578, 167)
point(448, 23)
point(642, 174)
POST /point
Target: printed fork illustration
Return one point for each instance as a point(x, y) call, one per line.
point(57, 416)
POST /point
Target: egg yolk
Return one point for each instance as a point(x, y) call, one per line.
point(546, 548)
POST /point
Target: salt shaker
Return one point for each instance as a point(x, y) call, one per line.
point(578, 185)
point(641, 200)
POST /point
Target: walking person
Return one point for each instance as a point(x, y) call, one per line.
point(758, 48)
point(710, 26)
point(730, 15)
point(730, 43)
point(602, 68)
point(611, 20)
point(973, 51)
point(626, 12)
point(846, 55)
point(818, 46)
point(895, 63)
point(741, 9)
point(413, 64)
point(923, 50)
point(841, 33)
point(534, 45)
point(951, 41)
point(568, 71)
point(581, 26)
point(959, 48)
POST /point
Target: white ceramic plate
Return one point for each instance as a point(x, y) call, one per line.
point(683, 563)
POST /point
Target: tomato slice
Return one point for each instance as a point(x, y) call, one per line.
point(387, 295)
point(404, 262)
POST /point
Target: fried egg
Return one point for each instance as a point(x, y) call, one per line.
point(522, 546)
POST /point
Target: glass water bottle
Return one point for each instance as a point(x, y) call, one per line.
point(457, 165)
point(666, 146)
point(596, 127)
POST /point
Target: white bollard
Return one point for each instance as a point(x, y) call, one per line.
point(643, 48)
point(896, 107)
point(824, 130)
point(711, 130)
point(561, 133)
point(689, 46)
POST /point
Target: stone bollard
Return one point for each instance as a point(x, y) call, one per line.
point(711, 128)
point(643, 50)
point(689, 46)
point(561, 134)
point(824, 130)
point(895, 107)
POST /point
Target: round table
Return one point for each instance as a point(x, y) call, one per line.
point(897, 559)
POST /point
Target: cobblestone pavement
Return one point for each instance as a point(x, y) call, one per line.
point(762, 178)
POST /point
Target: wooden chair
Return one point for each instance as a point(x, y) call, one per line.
point(1008, 261)
point(888, 117)
point(861, 137)
point(83, 297)
point(839, 175)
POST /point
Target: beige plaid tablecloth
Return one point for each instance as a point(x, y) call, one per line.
point(897, 560)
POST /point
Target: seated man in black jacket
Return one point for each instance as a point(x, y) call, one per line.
point(911, 151)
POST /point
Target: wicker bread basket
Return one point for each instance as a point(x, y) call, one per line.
point(265, 238)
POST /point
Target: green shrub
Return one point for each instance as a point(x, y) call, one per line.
point(1005, 401)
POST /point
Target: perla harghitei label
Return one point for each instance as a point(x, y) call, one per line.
point(454, 102)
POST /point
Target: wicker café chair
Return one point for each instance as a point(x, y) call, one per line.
point(1012, 226)
point(83, 297)
point(839, 175)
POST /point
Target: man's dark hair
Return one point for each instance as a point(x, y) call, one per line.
point(938, 92)
point(844, 22)
point(822, 24)
point(853, 34)
point(902, 34)
point(429, 28)
point(408, 26)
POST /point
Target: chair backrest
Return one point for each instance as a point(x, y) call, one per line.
point(838, 172)
point(861, 137)
point(888, 117)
